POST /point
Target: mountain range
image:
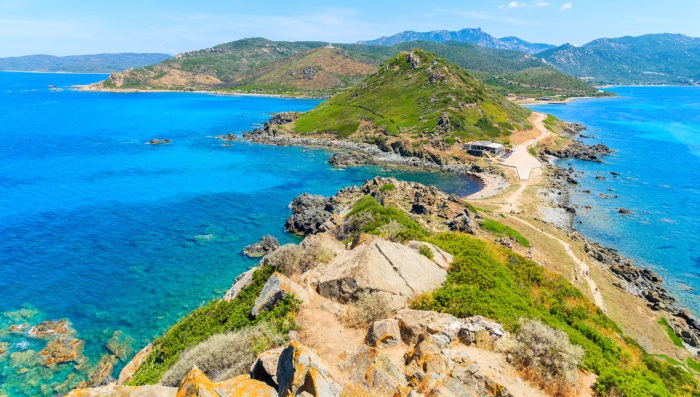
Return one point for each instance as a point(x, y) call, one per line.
point(96, 63)
point(467, 35)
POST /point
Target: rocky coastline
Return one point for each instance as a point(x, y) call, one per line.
point(350, 153)
point(634, 279)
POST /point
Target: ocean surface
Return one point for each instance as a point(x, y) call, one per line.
point(123, 238)
point(655, 132)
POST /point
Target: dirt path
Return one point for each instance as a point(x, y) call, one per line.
point(528, 169)
point(582, 270)
point(520, 159)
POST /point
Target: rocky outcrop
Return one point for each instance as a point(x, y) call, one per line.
point(130, 368)
point(380, 266)
point(244, 386)
point(300, 370)
point(264, 368)
point(384, 333)
point(266, 244)
point(125, 391)
point(580, 151)
point(309, 212)
point(275, 289)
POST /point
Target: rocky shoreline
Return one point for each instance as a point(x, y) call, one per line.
point(350, 153)
point(633, 279)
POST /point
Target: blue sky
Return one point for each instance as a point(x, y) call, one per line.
point(64, 27)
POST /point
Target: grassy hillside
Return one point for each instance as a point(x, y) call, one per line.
point(263, 66)
point(542, 81)
point(417, 94)
point(649, 59)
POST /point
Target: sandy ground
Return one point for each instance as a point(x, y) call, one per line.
point(520, 159)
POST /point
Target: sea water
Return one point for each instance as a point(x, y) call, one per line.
point(655, 133)
point(123, 238)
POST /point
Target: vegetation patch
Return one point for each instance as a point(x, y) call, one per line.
point(670, 332)
point(378, 217)
point(387, 187)
point(426, 252)
point(494, 282)
point(502, 230)
point(217, 317)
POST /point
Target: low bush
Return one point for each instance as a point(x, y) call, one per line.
point(216, 317)
point(670, 332)
point(426, 252)
point(368, 309)
point(546, 356)
point(387, 187)
point(224, 356)
point(293, 259)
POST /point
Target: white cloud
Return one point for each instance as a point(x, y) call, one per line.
point(566, 6)
point(541, 4)
point(514, 4)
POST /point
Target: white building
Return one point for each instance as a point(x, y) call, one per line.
point(478, 148)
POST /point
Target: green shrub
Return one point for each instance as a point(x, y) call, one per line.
point(387, 187)
point(216, 317)
point(223, 356)
point(502, 230)
point(426, 252)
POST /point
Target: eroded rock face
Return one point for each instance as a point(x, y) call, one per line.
point(301, 370)
point(130, 368)
point(379, 266)
point(275, 289)
point(264, 368)
point(244, 386)
point(196, 384)
point(309, 213)
point(241, 282)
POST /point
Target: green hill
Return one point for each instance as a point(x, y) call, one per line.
point(648, 59)
point(268, 67)
point(417, 94)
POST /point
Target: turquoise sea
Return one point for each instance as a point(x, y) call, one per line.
point(655, 132)
point(123, 238)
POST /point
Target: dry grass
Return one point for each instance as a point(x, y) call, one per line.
point(547, 357)
point(223, 356)
point(368, 309)
point(293, 259)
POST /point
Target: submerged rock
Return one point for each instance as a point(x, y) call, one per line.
point(51, 328)
point(156, 141)
point(62, 350)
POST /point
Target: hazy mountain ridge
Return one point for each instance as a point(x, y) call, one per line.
point(467, 35)
point(94, 63)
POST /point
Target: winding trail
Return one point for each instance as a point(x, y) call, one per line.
point(526, 165)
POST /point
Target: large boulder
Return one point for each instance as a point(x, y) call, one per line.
point(309, 212)
point(414, 323)
point(384, 333)
point(264, 368)
point(125, 391)
point(244, 386)
point(239, 283)
point(196, 384)
point(275, 289)
point(379, 266)
point(300, 370)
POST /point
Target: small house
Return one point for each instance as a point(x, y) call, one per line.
point(478, 148)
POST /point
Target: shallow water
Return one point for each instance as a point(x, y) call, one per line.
point(113, 234)
point(655, 132)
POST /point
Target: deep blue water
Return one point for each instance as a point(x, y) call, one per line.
point(655, 132)
point(113, 234)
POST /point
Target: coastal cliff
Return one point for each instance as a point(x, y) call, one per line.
point(385, 296)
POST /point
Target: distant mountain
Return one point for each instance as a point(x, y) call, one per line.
point(313, 69)
point(97, 63)
point(417, 95)
point(252, 65)
point(648, 59)
point(468, 35)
